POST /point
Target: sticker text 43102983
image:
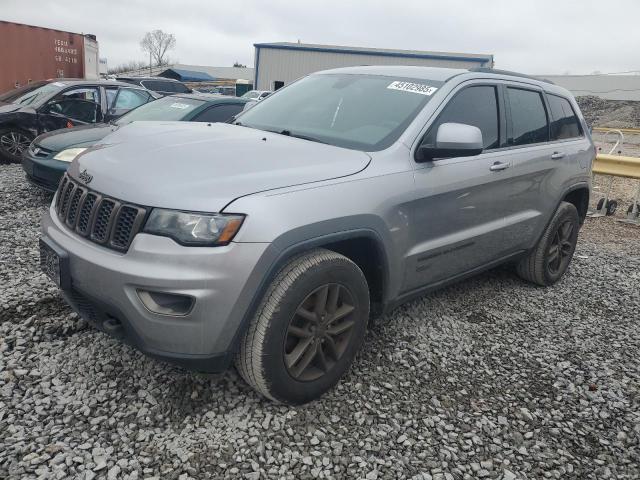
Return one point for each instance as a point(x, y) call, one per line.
point(420, 88)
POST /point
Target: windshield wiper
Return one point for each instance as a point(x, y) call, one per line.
point(289, 133)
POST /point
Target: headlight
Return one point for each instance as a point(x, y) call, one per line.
point(69, 154)
point(197, 229)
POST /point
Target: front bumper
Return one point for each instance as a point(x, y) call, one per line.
point(104, 286)
point(44, 173)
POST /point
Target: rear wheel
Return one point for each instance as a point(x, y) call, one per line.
point(13, 142)
point(551, 257)
point(307, 330)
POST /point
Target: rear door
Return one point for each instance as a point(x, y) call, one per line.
point(457, 218)
point(537, 182)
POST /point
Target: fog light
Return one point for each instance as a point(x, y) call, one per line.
point(164, 303)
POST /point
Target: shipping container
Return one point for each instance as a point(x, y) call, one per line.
point(29, 54)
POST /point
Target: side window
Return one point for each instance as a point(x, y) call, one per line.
point(180, 88)
point(157, 86)
point(129, 99)
point(81, 104)
point(528, 117)
point(82, 93)
point(477, 106)
point(219, 113)
point(565, 123)
point(111, 96)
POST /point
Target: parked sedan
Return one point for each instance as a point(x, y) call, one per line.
point(257, 94)
point(54, 104)
point(48, 157)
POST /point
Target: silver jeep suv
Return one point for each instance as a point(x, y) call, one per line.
point(272, 241)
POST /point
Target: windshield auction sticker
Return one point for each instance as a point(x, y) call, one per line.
point(181, 106)
point(420, 88)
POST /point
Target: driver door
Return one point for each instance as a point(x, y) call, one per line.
point(73, 107)
point(458, 214)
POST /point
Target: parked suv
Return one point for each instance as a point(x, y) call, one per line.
point(275, 239)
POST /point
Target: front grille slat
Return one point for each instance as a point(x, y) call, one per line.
point(102, 220)
point(74, 204)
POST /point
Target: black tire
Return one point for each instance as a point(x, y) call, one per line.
point(541, 265)
point(266, 350)
point(630, 209)
point(612, 206)
point(13, 141)
point(600, 204)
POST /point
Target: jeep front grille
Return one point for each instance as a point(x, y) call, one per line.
point(101, 219)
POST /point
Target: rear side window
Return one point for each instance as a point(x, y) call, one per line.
point(180, 88)
point(565, 123)
point(477, 106)
point(158, 86)
point(528, 117)
point(219, 113)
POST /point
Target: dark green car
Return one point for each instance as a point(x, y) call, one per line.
point(49, 155)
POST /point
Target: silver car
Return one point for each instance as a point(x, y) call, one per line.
point(271, 242)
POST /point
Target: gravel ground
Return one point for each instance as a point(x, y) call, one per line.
point(491, 378)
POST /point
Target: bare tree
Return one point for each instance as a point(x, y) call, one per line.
point(239, 65)
point(157, 43)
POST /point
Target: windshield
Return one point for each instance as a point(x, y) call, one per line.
point(251, 94)
point(34, 94)
point(361, 112)
point(166, 108)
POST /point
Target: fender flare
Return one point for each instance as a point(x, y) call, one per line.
point(289, 245)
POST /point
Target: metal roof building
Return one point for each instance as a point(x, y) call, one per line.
point(277, 64)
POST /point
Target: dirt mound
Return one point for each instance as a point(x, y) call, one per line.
point(599, 112)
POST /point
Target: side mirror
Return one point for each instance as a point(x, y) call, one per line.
point(452, 140)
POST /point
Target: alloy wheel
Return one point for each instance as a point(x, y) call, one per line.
point(559, 253)
point(319, 332)
point(14, 143)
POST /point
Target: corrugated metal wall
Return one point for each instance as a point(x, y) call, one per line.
point(289, 65)
point(35, 53)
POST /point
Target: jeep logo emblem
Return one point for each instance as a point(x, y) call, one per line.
point(84, 177)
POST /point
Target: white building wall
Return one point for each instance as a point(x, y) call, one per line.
point(610, 87)
point(91, 59)
point(288, 65)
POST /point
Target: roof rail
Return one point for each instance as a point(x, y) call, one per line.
point(507, 72)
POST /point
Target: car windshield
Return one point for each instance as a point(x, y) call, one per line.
point(33, 95)
point(361, 112)
point(166, 108)
point(251, 94)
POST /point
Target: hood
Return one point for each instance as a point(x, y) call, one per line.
point(9, 107)
point(83, 136)
point(203, 167)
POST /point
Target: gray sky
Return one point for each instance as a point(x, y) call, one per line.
point(540, 36)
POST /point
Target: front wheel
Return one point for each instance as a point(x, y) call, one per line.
point(552, 255)
point(307, 330)
point(13, 142)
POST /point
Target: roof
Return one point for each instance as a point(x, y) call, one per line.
point(81, 81)
point(406, 71)
point(47, 28)
point(135, 77)
point(472, 57)
point(227, 73)
point(210, 97)
point(189, 75)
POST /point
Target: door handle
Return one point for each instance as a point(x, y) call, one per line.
point(499, 166)
point(557, 155)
